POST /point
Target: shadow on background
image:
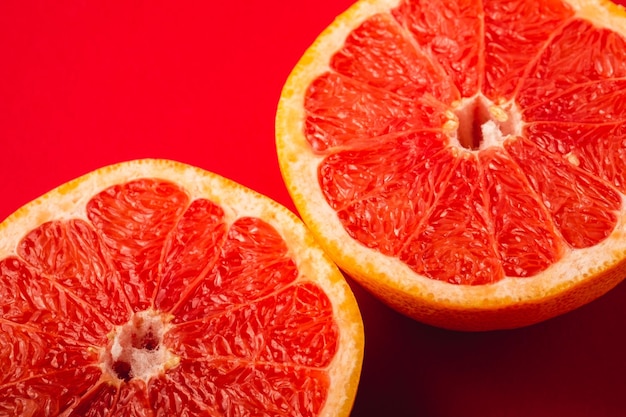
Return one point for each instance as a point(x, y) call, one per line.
point(573, 365)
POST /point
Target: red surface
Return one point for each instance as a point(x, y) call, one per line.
point(85, 84)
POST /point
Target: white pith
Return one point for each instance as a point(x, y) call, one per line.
point(299, 166)
point(502, 121)
point(69, 200)
point(126, 346)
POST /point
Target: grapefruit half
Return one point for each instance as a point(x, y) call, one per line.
point(465, 160)
point(153, 288)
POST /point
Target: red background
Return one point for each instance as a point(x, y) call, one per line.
point(88, 83)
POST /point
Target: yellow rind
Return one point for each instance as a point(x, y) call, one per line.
point(69, 201)
point(580, 277)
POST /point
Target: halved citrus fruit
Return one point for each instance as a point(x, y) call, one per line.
point(152, 288)
point(465, 160)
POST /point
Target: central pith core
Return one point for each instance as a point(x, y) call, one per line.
point(136, 349)
point(476, 122)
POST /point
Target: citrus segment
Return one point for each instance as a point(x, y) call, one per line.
point(253, 263)
point(515, 32)
point(355, 187)
point(72, 253)
point(246, 390)
point(452, 34)
point(129, 400)
point(293, 327)
point(151, 287)
point(592, 102)
point(328, 128)
point(134, 220)
point(454, 243)
point(599, 149)
point(354, 174)
point(379, 54)
point(47, 395)
point(582, 207)
point(27, 353)
point(31, 300)
point(578, 55)
point(98, 402)
point(526, 238)
point(190, 251)
point(463, 157)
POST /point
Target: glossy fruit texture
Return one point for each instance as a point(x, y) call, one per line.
point(473, 140)
point(464, 160)
point(154, 302)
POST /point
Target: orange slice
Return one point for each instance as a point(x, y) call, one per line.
point(155, 288)
point(465, 160)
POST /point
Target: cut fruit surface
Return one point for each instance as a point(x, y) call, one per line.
point(464, 160)
point(155, 288)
